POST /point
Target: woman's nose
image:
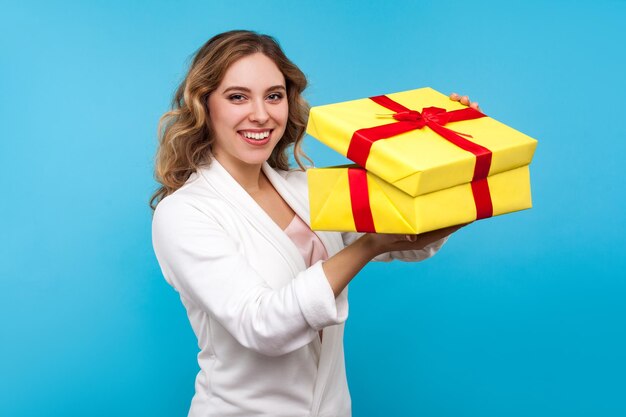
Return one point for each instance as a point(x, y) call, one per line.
point(259, 113)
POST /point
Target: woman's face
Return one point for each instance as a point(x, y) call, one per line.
point(248, 112)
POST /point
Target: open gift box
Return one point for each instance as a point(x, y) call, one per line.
point(414, 144)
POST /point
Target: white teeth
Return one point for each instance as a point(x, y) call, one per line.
point(256, 136)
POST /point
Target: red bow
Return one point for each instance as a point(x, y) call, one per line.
point(428, 114)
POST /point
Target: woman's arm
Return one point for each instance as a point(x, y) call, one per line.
point(342, 267)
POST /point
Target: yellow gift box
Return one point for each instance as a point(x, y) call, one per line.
point(332, 202)
point(420, 161)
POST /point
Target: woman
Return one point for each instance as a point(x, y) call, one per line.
point(266, 296)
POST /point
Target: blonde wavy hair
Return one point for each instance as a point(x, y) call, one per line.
point(185, 134)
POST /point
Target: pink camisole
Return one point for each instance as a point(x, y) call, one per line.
point(310, 246)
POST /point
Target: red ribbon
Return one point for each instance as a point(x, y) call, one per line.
point(433, 117)
point(360, 199)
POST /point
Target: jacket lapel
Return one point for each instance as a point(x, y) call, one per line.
point(222, 183)
point(330, 349)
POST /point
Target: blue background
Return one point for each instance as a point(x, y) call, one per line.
point(521, 315)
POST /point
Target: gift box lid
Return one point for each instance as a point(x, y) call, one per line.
point(420, 160)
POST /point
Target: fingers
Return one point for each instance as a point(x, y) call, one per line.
point(440, 233)
point(437, 234)
point(464, 100)
point(423, 239)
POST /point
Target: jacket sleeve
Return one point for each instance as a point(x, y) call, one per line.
point(406, 256)
point(203, 263)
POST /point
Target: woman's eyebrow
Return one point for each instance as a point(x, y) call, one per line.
point(236, 88)
point(247, 90)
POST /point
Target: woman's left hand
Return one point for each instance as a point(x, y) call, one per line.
point(465, 100)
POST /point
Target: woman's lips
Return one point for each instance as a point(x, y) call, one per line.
point(254, 141)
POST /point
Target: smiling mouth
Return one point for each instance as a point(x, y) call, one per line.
point(255, 135)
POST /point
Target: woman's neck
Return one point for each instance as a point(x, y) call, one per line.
point(248, 176)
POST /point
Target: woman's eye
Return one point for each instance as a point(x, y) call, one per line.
point(275, 97)
point(236, 97)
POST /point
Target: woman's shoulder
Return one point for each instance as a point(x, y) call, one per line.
point(194, 197)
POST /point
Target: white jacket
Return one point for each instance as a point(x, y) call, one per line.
point(253, 305)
